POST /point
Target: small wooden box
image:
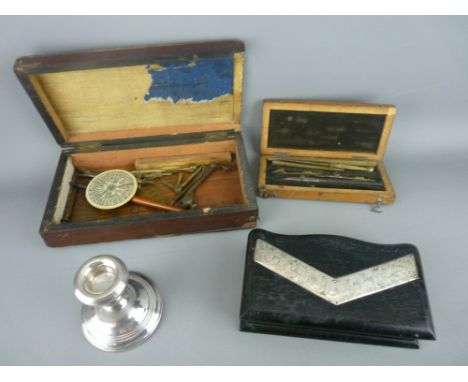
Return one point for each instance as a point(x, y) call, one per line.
point(108, 108)
point(327, 132)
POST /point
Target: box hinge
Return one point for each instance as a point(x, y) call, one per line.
point(281, 155)
point(216, 136)
point(88, 147)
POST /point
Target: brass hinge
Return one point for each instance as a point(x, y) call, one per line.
point(280, 155)
point(216, 136)
point(88, 147)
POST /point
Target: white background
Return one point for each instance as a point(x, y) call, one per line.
point(418, 64)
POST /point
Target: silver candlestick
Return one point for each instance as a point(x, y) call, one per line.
point(121, 309)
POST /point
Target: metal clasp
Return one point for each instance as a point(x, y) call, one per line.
point(376, 207)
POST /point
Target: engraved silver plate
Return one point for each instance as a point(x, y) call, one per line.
point(341, 289)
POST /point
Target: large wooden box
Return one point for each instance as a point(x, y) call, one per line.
point(108, 108)
point(324, 133)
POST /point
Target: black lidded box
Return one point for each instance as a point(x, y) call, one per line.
point(273, 304)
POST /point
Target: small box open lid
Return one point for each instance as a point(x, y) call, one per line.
point(126, 94)
point(326, 129)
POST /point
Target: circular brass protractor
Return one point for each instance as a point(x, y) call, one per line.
point(111, 189)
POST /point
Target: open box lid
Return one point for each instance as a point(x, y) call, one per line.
point(326, 129)
point(108, 96)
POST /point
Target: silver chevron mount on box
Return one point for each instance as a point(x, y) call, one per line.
point(337, 290)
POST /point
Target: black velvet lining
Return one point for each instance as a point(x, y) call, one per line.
point(312, 130)
point(375, 184)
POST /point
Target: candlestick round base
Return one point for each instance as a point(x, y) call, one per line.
point(126, 323)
